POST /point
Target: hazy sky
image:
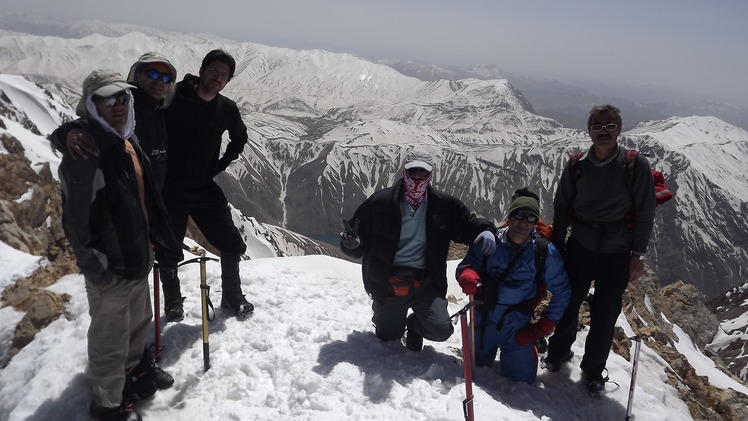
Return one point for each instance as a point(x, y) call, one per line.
point(693, 45)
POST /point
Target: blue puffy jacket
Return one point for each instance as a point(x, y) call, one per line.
point(519, 284)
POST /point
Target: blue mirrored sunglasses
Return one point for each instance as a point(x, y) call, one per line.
point(527, 216)
point(111, 100)
point(156, 75)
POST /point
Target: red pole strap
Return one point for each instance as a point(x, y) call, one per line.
point(467, 404)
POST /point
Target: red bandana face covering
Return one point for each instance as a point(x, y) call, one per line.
point(415, 190)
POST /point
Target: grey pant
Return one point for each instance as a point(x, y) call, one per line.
point(120, 319)
point(429, 309)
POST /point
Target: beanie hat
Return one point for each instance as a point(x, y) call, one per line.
point(151, 57)
point(101, 82)
point(419, 158)
point(526, 200)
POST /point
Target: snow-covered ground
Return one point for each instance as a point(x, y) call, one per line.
point(309, 353)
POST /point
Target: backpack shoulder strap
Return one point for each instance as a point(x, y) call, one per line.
point(541, 252)
point(574, 165)
point(632, 158)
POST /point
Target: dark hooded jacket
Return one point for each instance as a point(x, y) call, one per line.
point(102, 213)
point(447, 219)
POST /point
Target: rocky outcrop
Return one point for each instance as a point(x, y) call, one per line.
point(30, 221)
point(682, 305)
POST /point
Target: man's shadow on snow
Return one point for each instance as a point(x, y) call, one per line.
point(384, 363)
point(68, 405)
point(555, 395)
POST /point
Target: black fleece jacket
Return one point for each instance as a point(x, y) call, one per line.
point(379, 230)
point(195, 128)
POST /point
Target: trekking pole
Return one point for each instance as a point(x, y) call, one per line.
point(638, 340)
point(471, 330)
point(156, 313)
point(205, 303)
point(467, 404)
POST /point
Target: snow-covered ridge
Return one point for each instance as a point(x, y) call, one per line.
point(327, 129)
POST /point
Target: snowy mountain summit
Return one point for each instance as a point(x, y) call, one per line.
point(326, 131)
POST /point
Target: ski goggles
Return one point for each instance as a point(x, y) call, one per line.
point(527, 216)
point(608, 127)
point(156, 75)
point(111, 100)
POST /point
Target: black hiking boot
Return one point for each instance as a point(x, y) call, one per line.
point(595, 383)
point(553, 364)
point(241, 307)
point(137, 388)
point(147, 369)
point(173, 299)
point(174, 310)
point(124, 412)
point(414, 339)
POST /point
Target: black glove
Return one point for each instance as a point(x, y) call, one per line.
point(349, 235)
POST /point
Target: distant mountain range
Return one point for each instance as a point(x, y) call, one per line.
point(326, 130)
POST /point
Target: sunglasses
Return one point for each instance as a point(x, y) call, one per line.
point(609, 127)
point(417, 172)
point(156, 75)
point(110, 101)
point(527, 216)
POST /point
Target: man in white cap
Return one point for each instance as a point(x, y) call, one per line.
point(112, 213)
point(403, 234)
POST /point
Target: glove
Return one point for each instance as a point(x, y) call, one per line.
point(489, 242)
point(349, 235)
point(468, 281)
point(534, 331)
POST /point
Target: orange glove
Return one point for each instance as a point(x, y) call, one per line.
point(534, 331)
point(468, 281)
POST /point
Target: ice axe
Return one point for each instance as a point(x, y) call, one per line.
point(157, 313)
point(205, 303)
point(638, 341)
point(467, 357)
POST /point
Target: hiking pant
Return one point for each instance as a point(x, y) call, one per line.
point(518, 363)
point(610, 271)
point(429, 309)
point(209, 208)
point(120, 320)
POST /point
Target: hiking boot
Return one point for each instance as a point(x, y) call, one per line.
point(239, 304)
point(124, 412)
point(414, 339)
point(553, 365)
point(595, 383)
point(138, 388)
point(147, 369)
point(174, 310)
point(172, 295)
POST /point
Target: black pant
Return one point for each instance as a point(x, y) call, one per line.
point(610, 271)
point(209, 208)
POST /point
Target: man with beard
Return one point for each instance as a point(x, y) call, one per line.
point(610, 209)
point(403, 234)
